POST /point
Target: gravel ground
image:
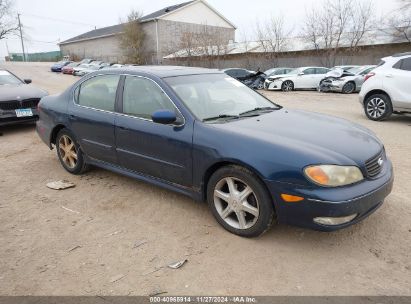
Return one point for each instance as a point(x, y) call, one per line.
point(81, 241)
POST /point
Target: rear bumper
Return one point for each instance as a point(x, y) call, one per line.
point(361, 199)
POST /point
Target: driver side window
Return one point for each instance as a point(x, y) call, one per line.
point(142, 97)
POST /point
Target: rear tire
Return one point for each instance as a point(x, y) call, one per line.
point(69, 153)
point(348, 88)
point(378, 107)
point(240, 202)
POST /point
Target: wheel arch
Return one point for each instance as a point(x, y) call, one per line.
point(223, 163)
point(353, 82)
point(373, 92)
point(54, 132)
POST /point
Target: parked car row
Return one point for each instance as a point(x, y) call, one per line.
point(83, 67)
point(344, 79)
point(384, 89)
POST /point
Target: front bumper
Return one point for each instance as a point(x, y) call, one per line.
point(361, 199)
point(9, 117)
point(272, 85)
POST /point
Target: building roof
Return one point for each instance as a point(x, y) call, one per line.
point(164, 11)
point(118, 28)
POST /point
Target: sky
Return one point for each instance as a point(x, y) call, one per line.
point(46, 22)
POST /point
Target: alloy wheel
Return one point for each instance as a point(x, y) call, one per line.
point(376, 107)
point(236, 203)
point(68, 151)
point(348, 88)
point(288, 86)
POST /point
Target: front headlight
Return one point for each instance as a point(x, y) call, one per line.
point(333, 175)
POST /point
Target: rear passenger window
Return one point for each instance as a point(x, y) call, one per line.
point(406, 64)
point(143, 97)
point(321, 71)
point(309, 71)
point(98, 92)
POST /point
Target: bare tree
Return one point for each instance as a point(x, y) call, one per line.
point(361, 22)
point(399, 22)
point(132, 39)
point(272, 37)
point(337, 24)
point(8, 23)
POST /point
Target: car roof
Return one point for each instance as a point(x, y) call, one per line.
point(163, 71)
point(312, 67)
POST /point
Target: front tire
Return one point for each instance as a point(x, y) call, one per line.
point(69, 153)
point(240, 202)
point(287, 86)
point(378, 107)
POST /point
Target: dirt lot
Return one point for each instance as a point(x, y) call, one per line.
point(106, 214)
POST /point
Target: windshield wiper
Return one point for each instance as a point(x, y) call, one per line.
point(221, 116)
point(256, 110)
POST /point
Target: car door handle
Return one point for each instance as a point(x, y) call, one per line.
point(389, 75)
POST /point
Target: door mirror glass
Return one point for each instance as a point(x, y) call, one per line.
point(27, 81)
point(164, 117)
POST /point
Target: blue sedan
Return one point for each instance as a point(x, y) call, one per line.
point(59, 65)
point(204, 134)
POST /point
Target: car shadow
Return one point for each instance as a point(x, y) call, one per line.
point(16, 129)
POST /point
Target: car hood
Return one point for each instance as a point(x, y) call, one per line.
point(321, 138)
point(20, 92)
point(275, 77)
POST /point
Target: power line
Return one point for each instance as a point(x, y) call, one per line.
point(59, 20)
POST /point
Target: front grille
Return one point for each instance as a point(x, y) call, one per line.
point(30, 103)
point(16, 104)
point(374, 165)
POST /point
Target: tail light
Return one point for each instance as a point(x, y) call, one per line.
point(368, 76)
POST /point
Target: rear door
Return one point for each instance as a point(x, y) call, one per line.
point(397, 81)
point(153, 149)
point(307, 80)
point(92, 116)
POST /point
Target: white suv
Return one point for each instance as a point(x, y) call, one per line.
point(387, 89)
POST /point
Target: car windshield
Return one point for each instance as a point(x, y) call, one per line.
point(73, 64)
point(85, 65)
point(270, 71)
point(7, 78)
point(210, 96)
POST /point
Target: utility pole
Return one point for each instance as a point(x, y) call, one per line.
point(21, 38)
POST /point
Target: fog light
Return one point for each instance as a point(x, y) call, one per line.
point(332, 221)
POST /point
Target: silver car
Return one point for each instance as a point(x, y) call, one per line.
point(350, 81)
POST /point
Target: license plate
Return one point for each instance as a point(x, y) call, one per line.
point(24, 112)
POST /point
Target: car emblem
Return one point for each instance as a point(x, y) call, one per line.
point(380, 161)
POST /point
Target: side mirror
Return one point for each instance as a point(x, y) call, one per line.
point(164, 117)
point(301, 74)
point(27, 81)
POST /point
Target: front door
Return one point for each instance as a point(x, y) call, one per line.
point(153, 149)
point(92, 116)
